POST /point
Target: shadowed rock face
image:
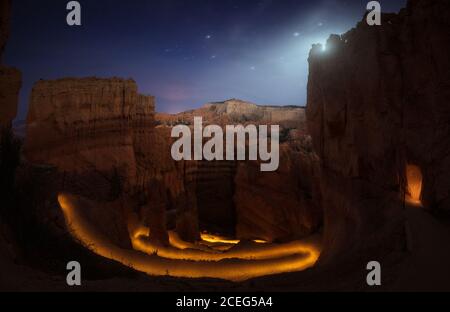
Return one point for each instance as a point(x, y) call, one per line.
point(235, 197)
point(80, 125)
point(10, 84)
point(5, 16)
point(101, 137)
point(99, 134)
point(10, 78)
point(377, 102)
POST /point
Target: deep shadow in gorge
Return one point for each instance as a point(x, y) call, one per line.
point(215, 192)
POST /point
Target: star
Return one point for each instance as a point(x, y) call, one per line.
point(296, 34)
point(253, 68)
point(207, 37)
point(320, 24)
point(213, 57)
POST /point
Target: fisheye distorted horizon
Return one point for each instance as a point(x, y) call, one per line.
point(186, 53)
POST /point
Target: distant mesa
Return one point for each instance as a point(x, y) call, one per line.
point(235, 111)
point(96, 131)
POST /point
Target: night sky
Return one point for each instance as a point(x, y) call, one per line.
point(186, 53)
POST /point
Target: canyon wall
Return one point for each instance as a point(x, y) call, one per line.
point(10, 84)
point(236, 111)
point(105, 143)
point(235, 197)
point(378, 101)
point(10, 78)
point(5, 16)
point(80, 125)
point(280, 205)
point(100, 136)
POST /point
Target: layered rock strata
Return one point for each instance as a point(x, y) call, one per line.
point(100, 136)
point(378, 103)
point(10, 78)
point(235, 197)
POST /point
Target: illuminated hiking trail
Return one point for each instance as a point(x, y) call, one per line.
point(183, 259)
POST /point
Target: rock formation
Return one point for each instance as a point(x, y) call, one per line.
point(80, 125)
point(102, 138)
point(235, 197)
point(99, 134)
point(378, 102)
point(10, 84)
point(281, 205)
point(5, 16)
point(10, 78)
point(241, 112)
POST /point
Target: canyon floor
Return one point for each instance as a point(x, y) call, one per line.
point(424, 267)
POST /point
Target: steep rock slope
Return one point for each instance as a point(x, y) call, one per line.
point(99, 135)
point(235, 197)
point(10, 78)
point(378, 104)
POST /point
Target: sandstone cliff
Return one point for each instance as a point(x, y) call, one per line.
point(10, 84)
point(92, 124)
point(101, 138)
point(235, 197)
point(281, 205)
point(5, 16)
point(85, 124)
point(240, 112)
point(10, 78)
point(378, 101)
point(99, 135)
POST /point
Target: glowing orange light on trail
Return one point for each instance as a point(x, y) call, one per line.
point(414, 181)
point(191, 262)
point(218, 239)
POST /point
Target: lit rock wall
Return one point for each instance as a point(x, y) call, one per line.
point(235, 197)
point(80, 125)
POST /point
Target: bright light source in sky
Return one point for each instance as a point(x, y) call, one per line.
point(255, 50)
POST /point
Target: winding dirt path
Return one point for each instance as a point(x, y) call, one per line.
point(235, 264)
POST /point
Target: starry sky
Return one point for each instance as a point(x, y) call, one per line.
point(184, 52)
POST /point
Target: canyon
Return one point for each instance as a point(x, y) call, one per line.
point(363, 173)
point(97, 137)
point(96, 132)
